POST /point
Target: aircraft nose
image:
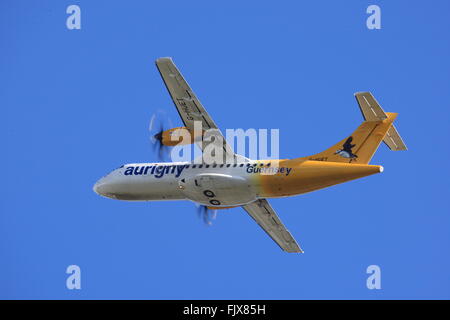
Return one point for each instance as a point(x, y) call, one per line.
point(99, 187)
point(96, 188)
point(106, 187)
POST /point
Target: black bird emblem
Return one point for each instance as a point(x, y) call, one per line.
point(346, 151)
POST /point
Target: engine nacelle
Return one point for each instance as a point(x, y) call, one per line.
point(179, 136)
point(217, 190)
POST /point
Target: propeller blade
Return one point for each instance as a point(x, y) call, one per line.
point(206, 214)
point(158, 122)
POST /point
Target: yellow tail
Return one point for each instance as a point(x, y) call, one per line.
point(362, 144)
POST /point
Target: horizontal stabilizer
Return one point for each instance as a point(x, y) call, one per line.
point(393, 140)
point(370, 108)
point(372, 111)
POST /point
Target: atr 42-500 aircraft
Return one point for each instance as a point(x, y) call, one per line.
point(241, 182)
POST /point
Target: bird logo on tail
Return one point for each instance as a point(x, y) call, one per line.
point(346, 151)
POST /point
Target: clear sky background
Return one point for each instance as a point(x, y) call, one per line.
point(76, 104)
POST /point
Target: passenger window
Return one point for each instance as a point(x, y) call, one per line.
point(207, 166)
point(228, 165)
point(200, 166)
point(241, 165)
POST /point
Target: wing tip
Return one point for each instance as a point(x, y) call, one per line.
point(361, 92)
point(294, 247)
point(162, 59)
point(296, 250)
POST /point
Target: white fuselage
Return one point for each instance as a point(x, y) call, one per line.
point(211, 185)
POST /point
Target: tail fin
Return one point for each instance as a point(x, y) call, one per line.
point(362, 144)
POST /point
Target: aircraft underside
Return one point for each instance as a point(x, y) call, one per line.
point(239, 181)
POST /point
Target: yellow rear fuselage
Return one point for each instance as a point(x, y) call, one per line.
point(293, 177)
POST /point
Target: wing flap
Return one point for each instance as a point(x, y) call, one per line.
point(262, 212)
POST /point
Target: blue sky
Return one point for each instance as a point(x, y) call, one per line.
point(75, 104)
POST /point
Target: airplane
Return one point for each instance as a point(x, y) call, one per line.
point(246, 183)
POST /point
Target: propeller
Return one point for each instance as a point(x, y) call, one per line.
point(159, 122)
point(206, 214)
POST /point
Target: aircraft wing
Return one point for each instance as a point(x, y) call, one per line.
point(189, 107)
point(262, 212)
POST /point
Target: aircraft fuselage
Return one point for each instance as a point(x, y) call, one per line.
point(225, 185)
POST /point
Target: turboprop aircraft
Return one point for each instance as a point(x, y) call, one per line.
point(241, 182)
